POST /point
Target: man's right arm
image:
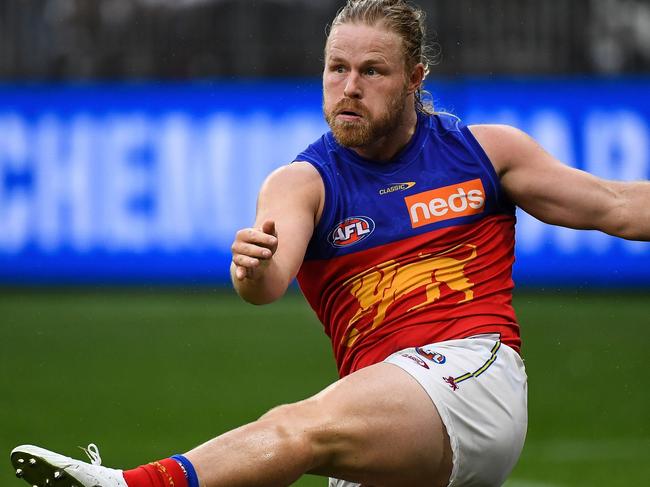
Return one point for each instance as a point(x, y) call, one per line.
point(267, 256)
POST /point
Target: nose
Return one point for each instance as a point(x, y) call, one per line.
point(352, 88)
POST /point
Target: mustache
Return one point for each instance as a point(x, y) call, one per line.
point(347, 105)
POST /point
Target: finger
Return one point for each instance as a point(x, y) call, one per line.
point(256, 236)
point(245, 261)
point(240, 272)
point(251, 250)
point(268, 227)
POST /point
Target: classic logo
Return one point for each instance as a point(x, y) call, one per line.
point(462, 199)
point(396, 187)
point(393, 281)
point(351, 231)
point(435, 357)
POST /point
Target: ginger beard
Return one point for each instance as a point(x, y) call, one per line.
point(366, 129)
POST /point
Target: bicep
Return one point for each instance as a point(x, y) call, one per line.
point(545, 187)
point(291, 197)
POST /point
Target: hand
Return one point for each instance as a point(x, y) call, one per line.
point(253, 250)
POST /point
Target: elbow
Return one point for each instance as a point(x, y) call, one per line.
point(627, 217)
point(257, 293)
point(257, 299)
point(626, 229)
point(263, 288)
point(631, 232)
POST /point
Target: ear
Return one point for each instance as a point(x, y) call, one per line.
point(416, 78)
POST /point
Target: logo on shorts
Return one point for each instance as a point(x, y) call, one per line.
point(397, 187)
point(452, 382)
point(350, 231)
point(435, 357)
point(415, 359)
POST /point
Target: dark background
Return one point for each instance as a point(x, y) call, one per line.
point(190, 39)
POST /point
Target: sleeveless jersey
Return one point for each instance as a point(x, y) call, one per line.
point(413, 251)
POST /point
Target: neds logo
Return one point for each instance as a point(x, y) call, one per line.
point(463, 199)
point(351, 231)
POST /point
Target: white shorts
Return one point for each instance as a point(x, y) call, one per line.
point(479, 387)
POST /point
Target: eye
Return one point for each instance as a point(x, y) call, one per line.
point(339, 69)
point(371, 71)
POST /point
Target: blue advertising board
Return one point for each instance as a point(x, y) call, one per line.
point(137, 183)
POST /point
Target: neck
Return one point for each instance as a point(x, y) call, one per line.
point(387, 147)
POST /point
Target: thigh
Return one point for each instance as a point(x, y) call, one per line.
point(378, 427)
point(480, 389)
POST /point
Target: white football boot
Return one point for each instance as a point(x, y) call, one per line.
point(44, 468)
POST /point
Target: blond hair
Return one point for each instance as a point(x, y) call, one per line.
point(405, 20)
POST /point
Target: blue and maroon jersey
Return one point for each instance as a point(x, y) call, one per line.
point(413, 251)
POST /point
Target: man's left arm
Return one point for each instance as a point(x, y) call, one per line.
point(561, 195)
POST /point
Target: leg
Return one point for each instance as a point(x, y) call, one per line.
point(377, 427)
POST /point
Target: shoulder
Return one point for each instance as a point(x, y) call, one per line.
point(441, 123)
point(504, 145)
point(296, 183)
point(497, 131)
point(298, 172)
point(444, 121)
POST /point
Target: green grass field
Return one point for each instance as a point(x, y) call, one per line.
point(148, 373)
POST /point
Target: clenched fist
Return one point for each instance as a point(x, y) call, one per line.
point(253, 250)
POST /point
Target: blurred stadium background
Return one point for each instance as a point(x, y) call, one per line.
point(134, 135)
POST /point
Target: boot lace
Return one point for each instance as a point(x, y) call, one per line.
point(93, 454)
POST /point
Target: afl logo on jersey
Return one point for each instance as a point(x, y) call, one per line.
point(350, 231)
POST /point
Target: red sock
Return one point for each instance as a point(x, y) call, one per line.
point(165, 473)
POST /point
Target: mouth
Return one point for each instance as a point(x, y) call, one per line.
point(348, 115)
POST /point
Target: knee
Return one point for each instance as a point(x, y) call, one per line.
point(308, 429)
